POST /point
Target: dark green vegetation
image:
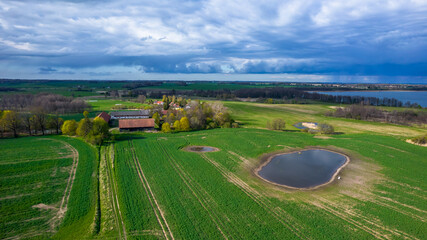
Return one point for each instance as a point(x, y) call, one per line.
point(41, 190)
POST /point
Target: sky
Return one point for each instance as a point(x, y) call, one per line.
point(284, 40)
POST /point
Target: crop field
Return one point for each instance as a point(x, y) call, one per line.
point(42, 185)
point(165, 192)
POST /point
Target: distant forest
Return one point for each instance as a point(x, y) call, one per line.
point(281, 93)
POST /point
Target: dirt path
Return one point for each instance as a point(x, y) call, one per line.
point(113, 194)
point(152, 198)
point(205, 201)
point(279, 214)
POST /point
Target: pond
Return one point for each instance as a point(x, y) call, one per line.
point(201, 149)
point(304, 169)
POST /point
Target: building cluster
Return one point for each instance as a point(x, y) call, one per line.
point(130, 120)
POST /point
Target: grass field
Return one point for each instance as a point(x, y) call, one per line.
point(216, 195)
point(40, 184)
point(256, 115)
point(109, 104)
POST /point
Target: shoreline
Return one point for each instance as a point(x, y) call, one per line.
point(270, 157)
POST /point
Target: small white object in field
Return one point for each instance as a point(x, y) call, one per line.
point(268, 146)
point(339, 177)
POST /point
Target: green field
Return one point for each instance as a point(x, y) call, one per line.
point(144, 186)
point(110, 104)
point(41, 179)
point(216, 195)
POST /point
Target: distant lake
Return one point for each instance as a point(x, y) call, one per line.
point(419, 97)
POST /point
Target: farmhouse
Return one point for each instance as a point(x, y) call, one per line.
point(104, 116)
point(130, 114)
point(136, 124)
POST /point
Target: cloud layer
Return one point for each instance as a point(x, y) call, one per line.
point(127, 39)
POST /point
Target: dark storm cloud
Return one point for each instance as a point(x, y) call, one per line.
point(108, 38)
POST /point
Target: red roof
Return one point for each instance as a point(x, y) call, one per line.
point(105, 116)
point(136, 123)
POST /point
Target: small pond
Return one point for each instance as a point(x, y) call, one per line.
point(304, 169)
point(201, 149)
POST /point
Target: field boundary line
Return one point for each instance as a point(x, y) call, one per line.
point(149, 193)
point(113, 184)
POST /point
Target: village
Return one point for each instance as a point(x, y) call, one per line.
point(170, 114)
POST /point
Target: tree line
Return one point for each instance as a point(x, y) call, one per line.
point(369, 113)
point(45, 102)
point(282, 93)
point(30, 123)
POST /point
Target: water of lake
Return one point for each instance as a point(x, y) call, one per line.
point(305, 169)
point(419, 97)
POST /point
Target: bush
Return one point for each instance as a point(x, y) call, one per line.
point(69, 127)
point(277, 124)
point(166, 128)
point(420, 139)
point(325, 128)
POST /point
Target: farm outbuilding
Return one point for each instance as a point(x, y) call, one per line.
point(104, 116)
point(130, 114)
point(130, 125)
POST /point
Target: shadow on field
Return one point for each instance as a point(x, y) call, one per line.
point(126, 137)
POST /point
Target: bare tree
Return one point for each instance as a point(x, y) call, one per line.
point(40, 118)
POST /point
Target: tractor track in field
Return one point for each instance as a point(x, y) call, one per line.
point(151, 197)
point(204, 202)
point(56, 220)
point(369, 225)
point(113, 195)
point(278, 213)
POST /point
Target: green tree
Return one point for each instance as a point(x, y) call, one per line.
point(2, 124)
point(156, 117)
point(99, 132)
point(69, 127)
point(185, 124)
point(166, 127)
point(12, 121)
point(84, 127)
point(177, 125)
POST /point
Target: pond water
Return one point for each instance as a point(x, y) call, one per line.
point(201, 149)
point(305, 169)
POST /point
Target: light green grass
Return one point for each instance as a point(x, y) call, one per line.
point(256, 115)
point(108, 104)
